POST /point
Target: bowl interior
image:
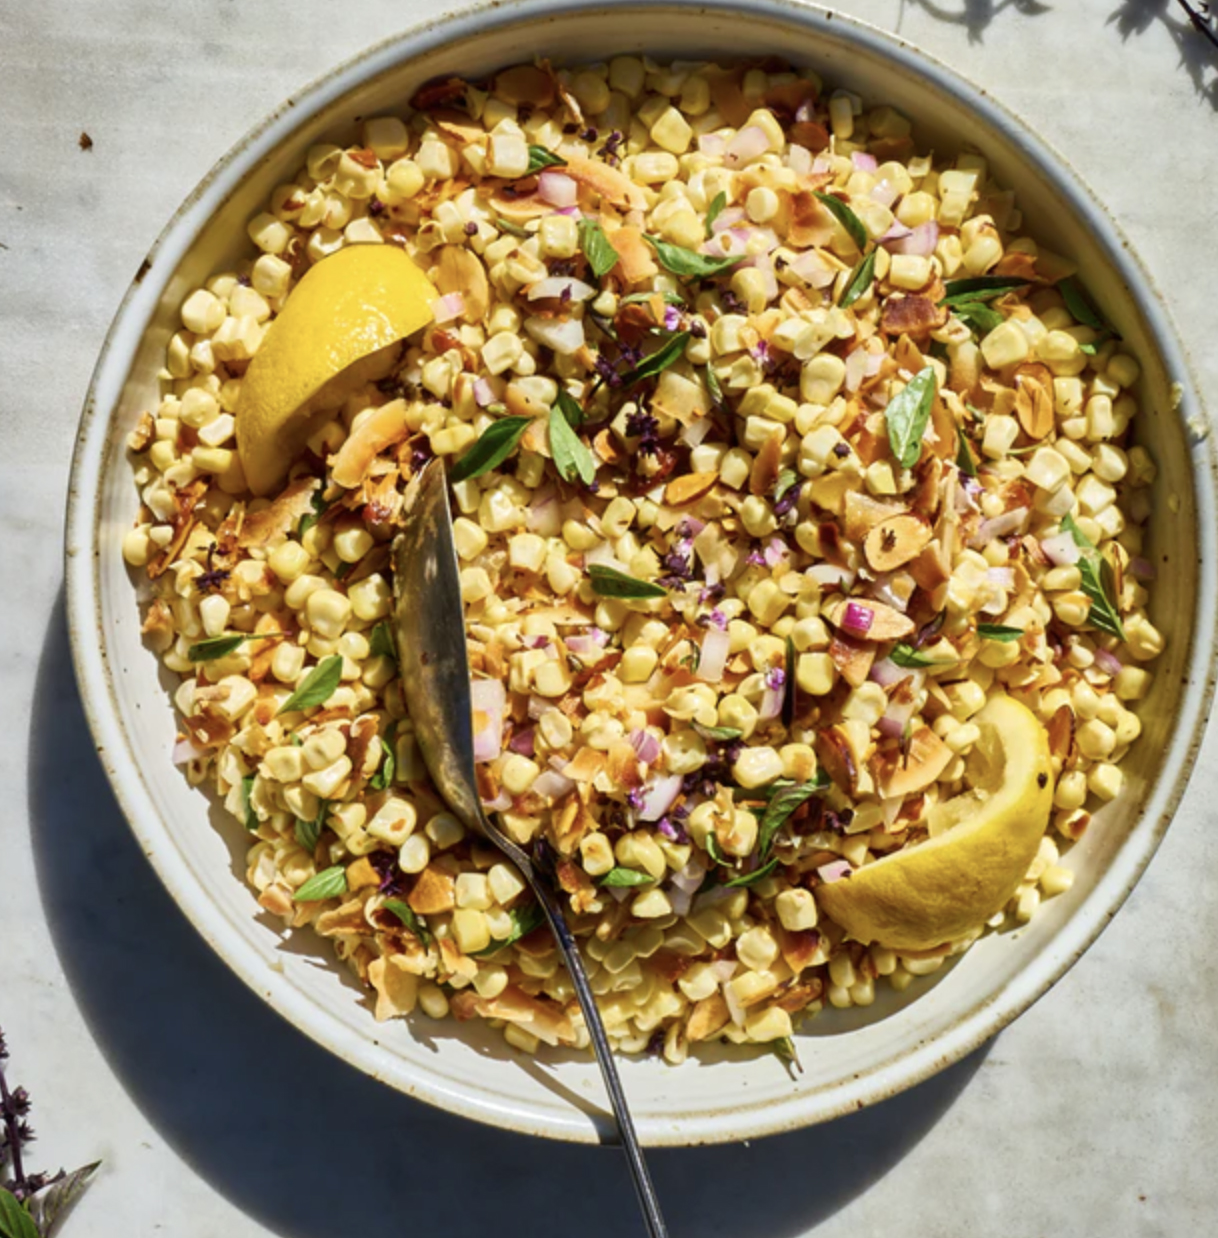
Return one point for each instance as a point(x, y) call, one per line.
point(466, 1068)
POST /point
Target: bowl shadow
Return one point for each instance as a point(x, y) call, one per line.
point(251, 1104)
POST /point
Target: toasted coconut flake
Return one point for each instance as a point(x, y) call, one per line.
point(439, 93)
point(836, 756)
point(1061, 733)
point(688, 487)
point(344, 920)
point(852, 658)
point(458, 125)
point(898, 774)
point(460, 270)
point(397, 989)
point(1034, 399)
point(586, 765)
point(635, 258)
point(766, 464)
point(434, 891)
point(708, 1017)
point(863, 513)
point(894, 542)
point(912, 315)
point(606, 182)
point(808, 224)
point(143, 434)
point(382, 428)
point(680, 398)
point(728, 97)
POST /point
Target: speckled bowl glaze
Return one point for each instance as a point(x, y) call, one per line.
point(849, 1060)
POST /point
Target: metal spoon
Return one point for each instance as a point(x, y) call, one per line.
point(436, 684)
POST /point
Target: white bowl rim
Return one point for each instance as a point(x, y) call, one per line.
point(121, 763)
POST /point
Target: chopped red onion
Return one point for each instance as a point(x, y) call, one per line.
point(891, 810)
point(749, 144)
point(712, 145)
point(684, 884)
point(599, 635)
point(883, 591)
point(646, 746)
point(921, 241)
point(522, 742)
point(822, 163)
point(886, 672)
point(799, 159)
point(446, 308)
point(545, 513)
point(582, 646)
point(501, 803)
point(488, 698)
point(885, 193)
point(999, 526)
point(835, 870)
point(1108, 661)
point(660, 797)
point(897, 232)
point(813, 269)
point(538, 706)
point(863, 162)
point(1061, 549)
point(776, 550)
point(713, 658)
point(897, 716)
point(858, 618)
point(484, 393)
point(727, 218)
point(552, 785)
point(1001, 577)
point(185, 751)
point(771, 704)
point(557, 188)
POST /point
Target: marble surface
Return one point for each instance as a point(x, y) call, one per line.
point(1092, 1114)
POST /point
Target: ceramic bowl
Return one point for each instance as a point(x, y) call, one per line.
point(850, 1060)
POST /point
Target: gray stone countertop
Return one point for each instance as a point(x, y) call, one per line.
point(1092, 1114)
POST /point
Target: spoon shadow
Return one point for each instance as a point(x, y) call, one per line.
point(258, 1110)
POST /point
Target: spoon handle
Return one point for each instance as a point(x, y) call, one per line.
point(648, 1200)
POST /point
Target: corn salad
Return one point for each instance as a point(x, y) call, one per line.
point(842, 453)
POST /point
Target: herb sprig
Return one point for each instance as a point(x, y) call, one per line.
point(1098, 583)
point(30, 1203)
point(907, 415)
point(608, 582)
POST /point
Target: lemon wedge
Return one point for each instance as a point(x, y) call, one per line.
point(982, 843)
point(347, 311)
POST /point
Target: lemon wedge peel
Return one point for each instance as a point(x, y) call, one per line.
point(983, 842)
point(347, 308)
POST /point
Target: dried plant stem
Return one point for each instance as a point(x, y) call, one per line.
point(10, 1129)
point(1199, 22)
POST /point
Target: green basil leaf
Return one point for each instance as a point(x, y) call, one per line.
point(788, 684)
point(715, 389)
point(1079, 305)
point(608, 582)
point(786, 479)
point(714, 211)
point(844, 216)
point(329, 883)
point(381, 644)
point(964, 455)
point(909, 657)
point(672, 352)
point(784, 1050)
point(413, 922)
point(506, 225)
point(318, 685)
point(980, 318)
point(524, 921)
point(249, 816)
point(308, 832)
point(571, 408)
point(998, 632)
point(1097, 583)
point(687, 263)
point(15, 1221)
point(540, 158)
point(1088, 349)
point(58, 1198)
point(748, 879)
point(979, 288)
point(907, 415)
point(221, 646)
point(712, 849)
point(860, 280)
point(572, 458)
point(623, 878)
point(641, 298)
point(493, 447)
point(383, 778)
point(601, 255)
point(718, 734)
point(309, 519)
point(782, 804)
